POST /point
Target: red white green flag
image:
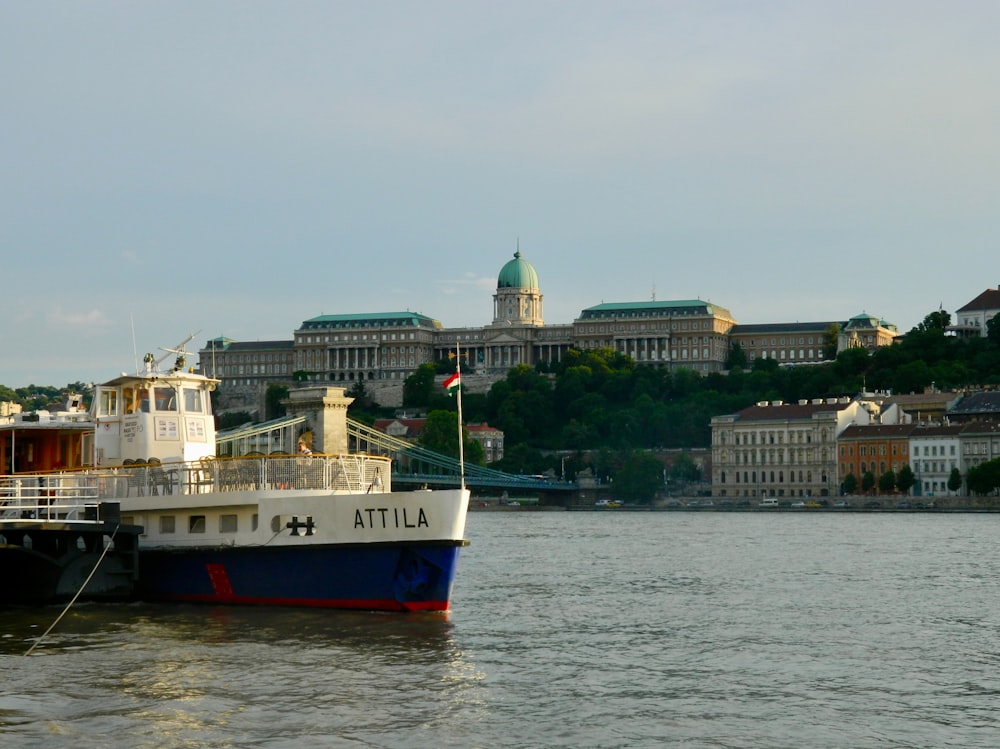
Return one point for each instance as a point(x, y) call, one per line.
point(453, 383)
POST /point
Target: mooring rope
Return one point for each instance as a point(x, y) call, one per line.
point(73, 600)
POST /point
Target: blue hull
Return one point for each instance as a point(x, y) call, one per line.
point(383, 577)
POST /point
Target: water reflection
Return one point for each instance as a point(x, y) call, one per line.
point(231, 676)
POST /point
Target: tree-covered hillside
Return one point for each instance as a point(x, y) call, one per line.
point(601, 400)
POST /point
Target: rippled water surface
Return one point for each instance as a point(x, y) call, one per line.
point(603, 629)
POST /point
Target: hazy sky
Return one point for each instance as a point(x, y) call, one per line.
point(234, 168)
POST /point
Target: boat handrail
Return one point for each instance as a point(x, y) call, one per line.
point(353, 473)
point(63, 497)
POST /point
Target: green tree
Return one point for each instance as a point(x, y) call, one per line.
point(993, 330)
point(418, 388)
point(955, 480)
point(905, 480)
point(984, 478)
point(831, 341)
point(937, 321)
point(867, 482)
point(737, 357)
point(639, 478)
point(440, 434)
point(274, 408)
point(850, 484)
point(685, 469)
point(887, 482)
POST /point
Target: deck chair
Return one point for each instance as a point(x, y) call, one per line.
point(136, 477)
point(159, 478)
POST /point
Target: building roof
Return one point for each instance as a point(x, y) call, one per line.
point(235, 346)
point(653, 309)
point(864, 320)
point(878, 431)
point(517, 274)
point(371, 320)
point(977, 404)
point(779, 411)
point(989, 299)
point(783, 327)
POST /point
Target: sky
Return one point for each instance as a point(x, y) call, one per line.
point(213, 167)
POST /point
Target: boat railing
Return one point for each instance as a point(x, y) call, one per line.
point(355, 473)
point(72, 497)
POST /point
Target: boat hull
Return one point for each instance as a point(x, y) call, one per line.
point(377, 577)
point(54, 563)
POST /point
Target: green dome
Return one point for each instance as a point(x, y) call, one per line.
point(517, 274)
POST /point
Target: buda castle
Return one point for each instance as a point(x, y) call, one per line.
point(382, 349)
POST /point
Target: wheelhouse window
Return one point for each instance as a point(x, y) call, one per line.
point(166, 398)
point(192, 400)
point(107, 405)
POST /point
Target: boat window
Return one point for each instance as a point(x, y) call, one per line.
point(227, 523)
point(192, 400)
point(144, 400)
point(168, 523)
point(108, 403)
point(166, 399)
point(196, 524)
point(130, 399)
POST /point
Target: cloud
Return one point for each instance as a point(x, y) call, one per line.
point(88, 320)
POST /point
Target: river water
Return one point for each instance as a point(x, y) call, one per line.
point(591, 629)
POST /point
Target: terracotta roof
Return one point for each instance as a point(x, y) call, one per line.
point(989, 299)
point(877, 431)
point(788, 411)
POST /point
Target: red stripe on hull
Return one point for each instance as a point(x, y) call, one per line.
point(388, 605)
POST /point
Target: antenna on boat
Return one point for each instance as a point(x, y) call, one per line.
point(455, 383)
point(135, 351)
point(179, 350)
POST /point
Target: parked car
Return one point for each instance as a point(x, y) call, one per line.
point(798, 504)
point(873, 505)
point(841, 503)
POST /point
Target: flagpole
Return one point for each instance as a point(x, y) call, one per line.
point(461, 435)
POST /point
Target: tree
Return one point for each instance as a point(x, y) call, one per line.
point(984, 478)
point(905, 480)
point(993, 330)
point(419, 386)
point(850, 484)
point(685, 469)
point(867, 482)
point(639, 478)
point(887, 482)
point(938, 320)
point(274, 408)
point(737, 357)
point(954, 480)
point(440, 434)
point(831, 341)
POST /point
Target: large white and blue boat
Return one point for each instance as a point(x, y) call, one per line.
point(322, 529)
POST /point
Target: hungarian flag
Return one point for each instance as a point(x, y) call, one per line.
point(452, 383)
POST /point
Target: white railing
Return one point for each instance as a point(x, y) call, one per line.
point(356, 473)
point(50, 497)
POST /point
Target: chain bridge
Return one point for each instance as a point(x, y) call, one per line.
point(411, 464)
